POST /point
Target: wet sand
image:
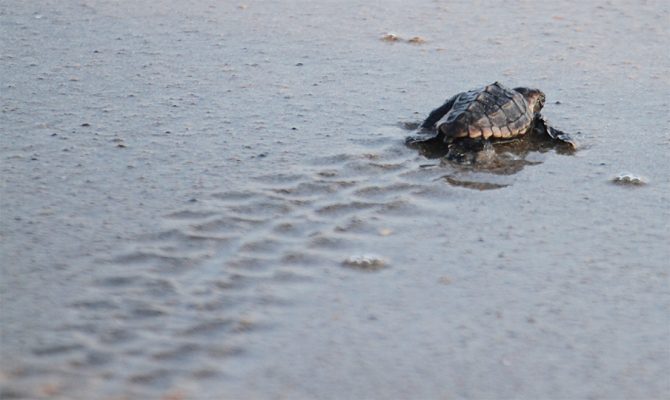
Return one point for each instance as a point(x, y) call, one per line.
point(188, 191)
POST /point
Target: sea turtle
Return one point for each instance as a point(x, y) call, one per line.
point(493, 113)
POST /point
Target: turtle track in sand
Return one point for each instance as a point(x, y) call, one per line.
point(174, 307)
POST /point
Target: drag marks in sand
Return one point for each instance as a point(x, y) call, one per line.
point(177, 304)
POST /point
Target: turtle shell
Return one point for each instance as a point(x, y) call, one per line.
point(492, 111)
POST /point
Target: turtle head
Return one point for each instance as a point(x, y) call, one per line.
point(534, 98)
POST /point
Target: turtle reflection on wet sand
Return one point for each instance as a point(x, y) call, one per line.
point(493, 127)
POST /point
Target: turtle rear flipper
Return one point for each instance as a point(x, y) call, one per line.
point(438, 113)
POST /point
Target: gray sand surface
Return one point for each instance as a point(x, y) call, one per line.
point(183, 183)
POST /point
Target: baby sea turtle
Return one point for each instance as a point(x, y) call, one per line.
point(493, 114)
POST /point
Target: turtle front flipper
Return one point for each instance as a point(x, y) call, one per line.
point(435, 139)
point(430, 145)
point(438, 113)
point(543, 127)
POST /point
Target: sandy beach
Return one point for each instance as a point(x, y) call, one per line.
point(214, 200)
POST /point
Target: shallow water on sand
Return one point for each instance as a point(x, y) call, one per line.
point(211, 200)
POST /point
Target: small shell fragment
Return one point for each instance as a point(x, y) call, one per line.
point(366, 262)
point(390, 37)
point(385, 232)
point(416, 40)
point(628, 179)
